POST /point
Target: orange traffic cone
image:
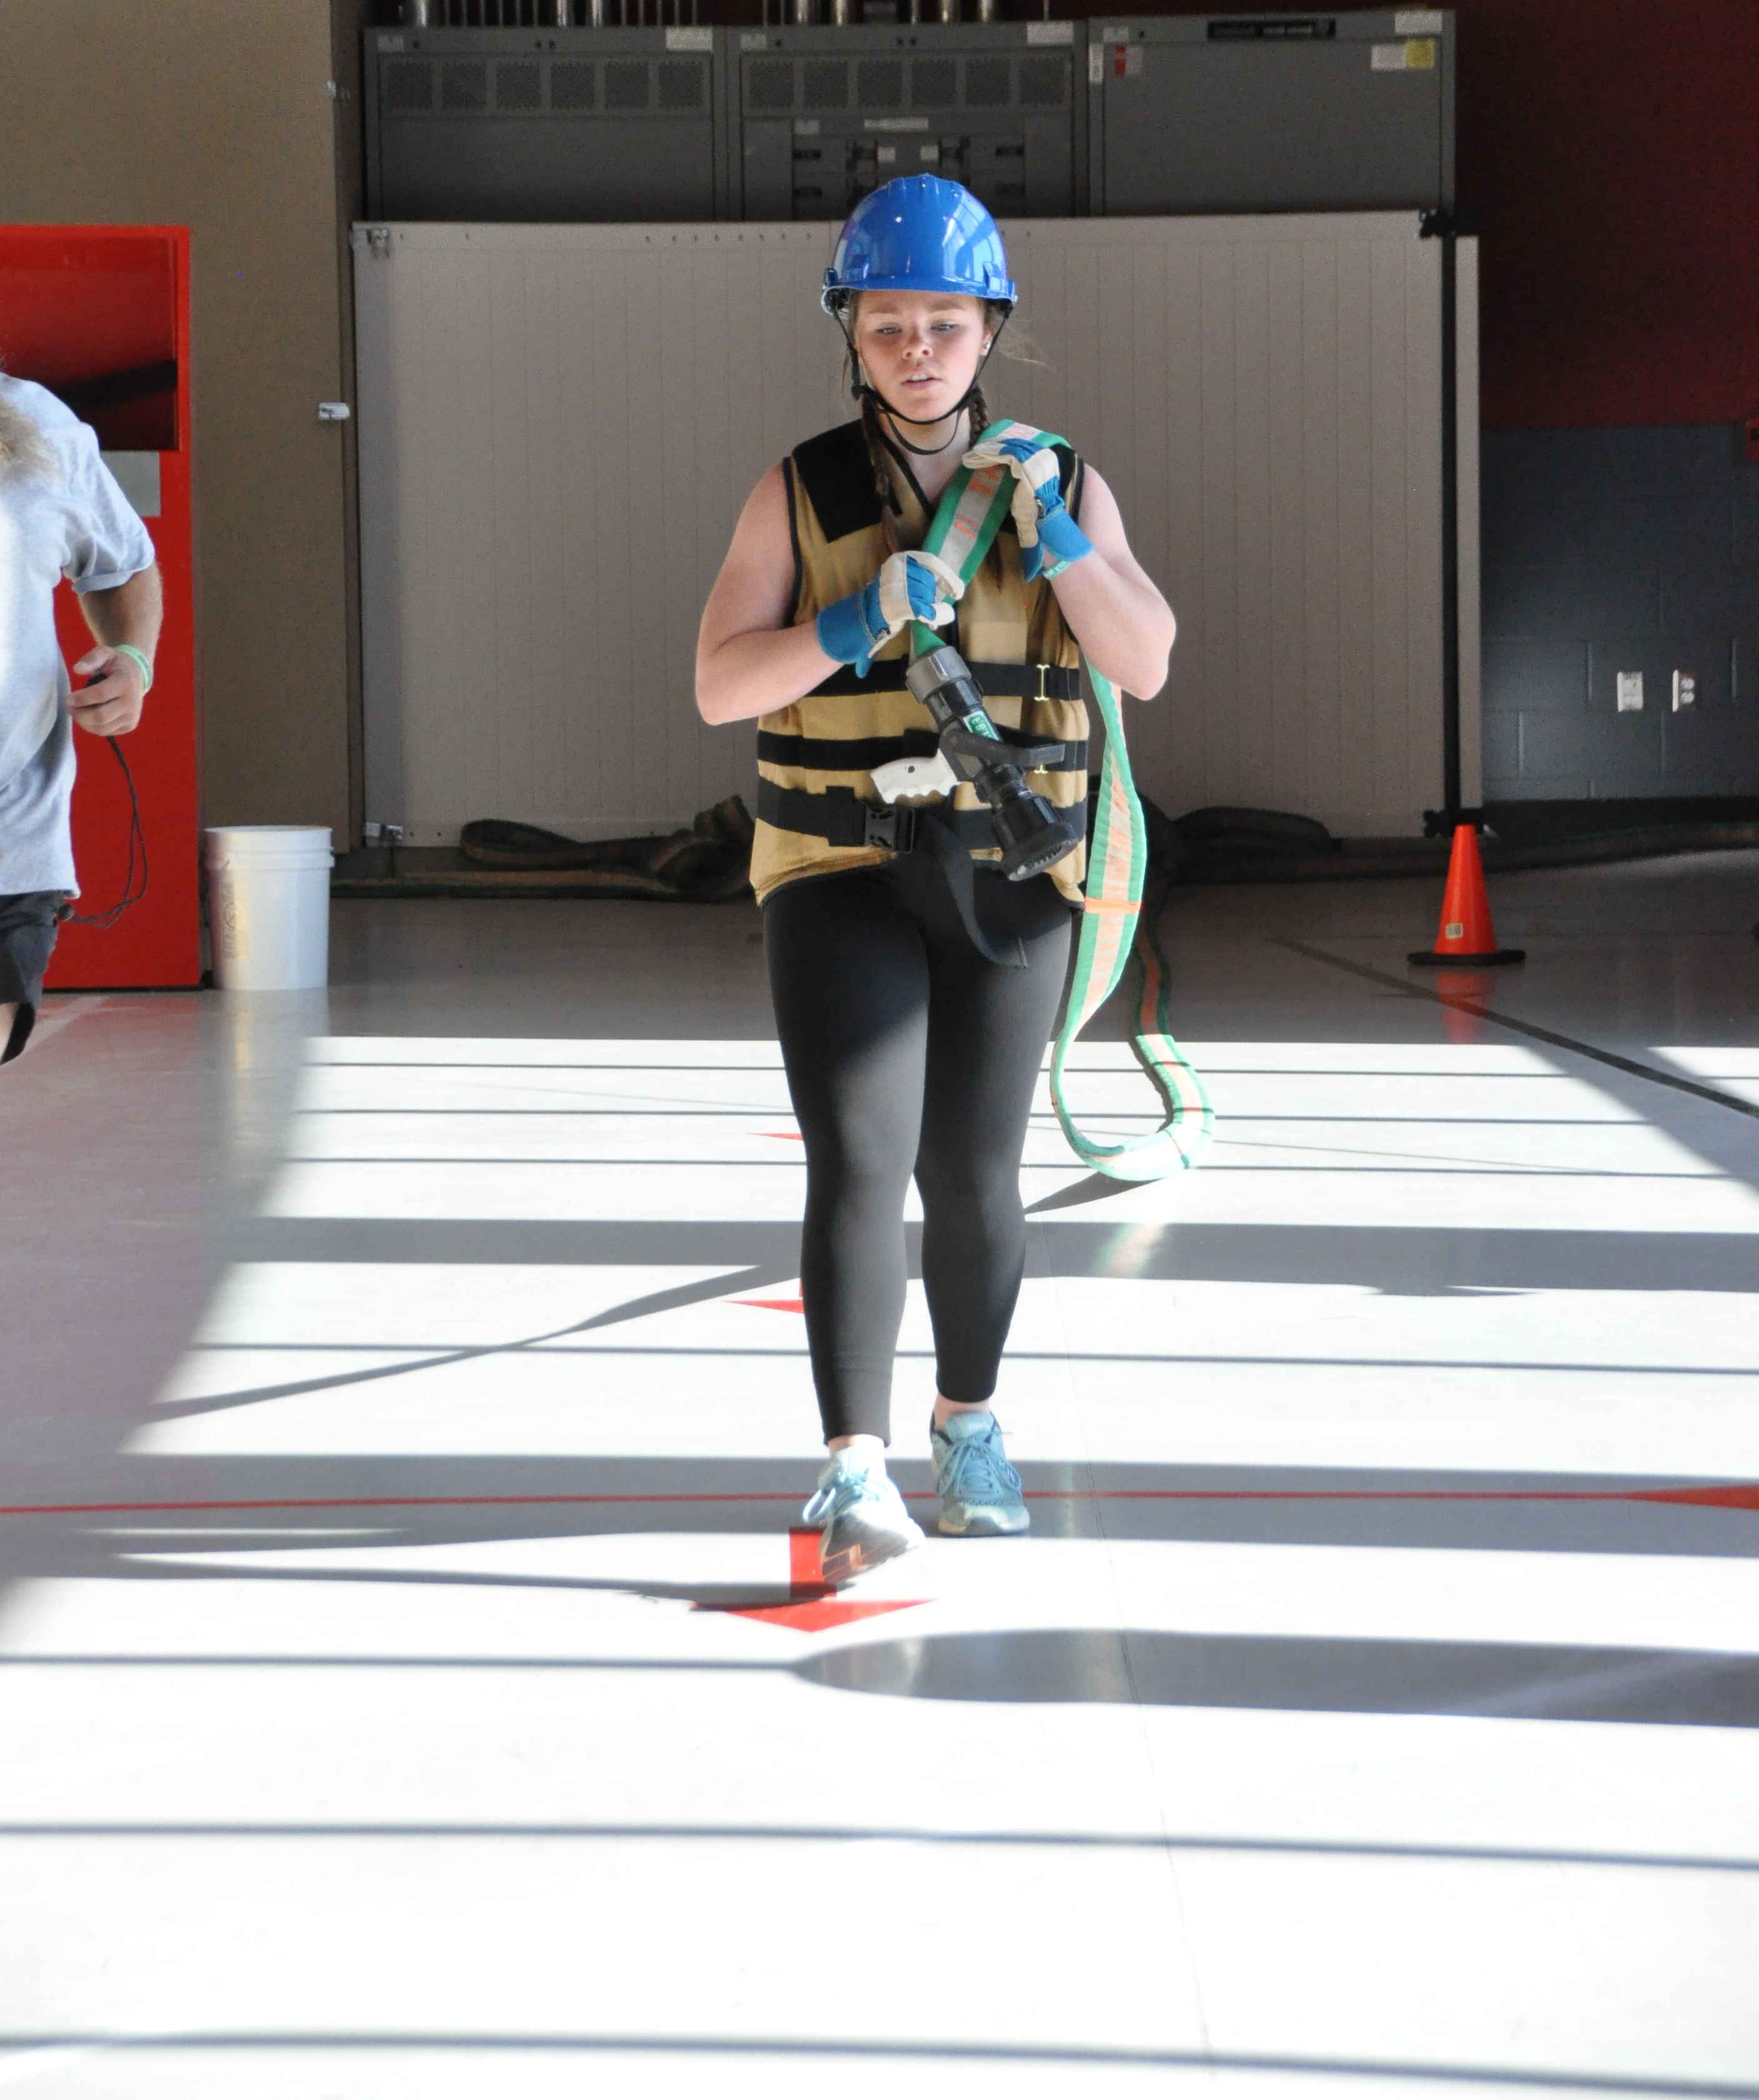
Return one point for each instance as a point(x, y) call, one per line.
point(1466, 934)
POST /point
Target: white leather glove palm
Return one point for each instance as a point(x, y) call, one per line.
point(1040, 516)
point(910, 586)
point(1034, 468)
point(906, 593)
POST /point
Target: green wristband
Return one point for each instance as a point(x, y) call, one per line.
point(128, 649)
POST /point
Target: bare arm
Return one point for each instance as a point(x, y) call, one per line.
point(1125, 626)
point(132, 612)
point(748, 661)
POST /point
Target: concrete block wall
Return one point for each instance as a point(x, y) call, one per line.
point(1610, 551)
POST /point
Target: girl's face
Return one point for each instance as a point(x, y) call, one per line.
point(921, 350)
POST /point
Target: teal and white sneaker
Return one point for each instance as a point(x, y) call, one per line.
point(979, 1490)
point(864, 1519)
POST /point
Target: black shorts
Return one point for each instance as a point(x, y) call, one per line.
point(28, 922)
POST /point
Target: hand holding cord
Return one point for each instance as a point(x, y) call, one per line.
point(910, 587)
point(1040, 516)
point(137, 838)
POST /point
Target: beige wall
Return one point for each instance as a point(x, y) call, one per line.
point(213, 114)
point(1263, 395)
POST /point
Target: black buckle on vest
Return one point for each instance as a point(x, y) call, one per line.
point(889, 825)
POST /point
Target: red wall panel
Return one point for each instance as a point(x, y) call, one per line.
point(79, 304)
point(1610, 149)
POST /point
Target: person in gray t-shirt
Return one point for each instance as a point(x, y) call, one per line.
point(61, 515)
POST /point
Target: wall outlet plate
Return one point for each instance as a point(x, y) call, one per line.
point(1630, 692)
point(1685, 690)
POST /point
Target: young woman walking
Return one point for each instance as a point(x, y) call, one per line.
point(913, 1008)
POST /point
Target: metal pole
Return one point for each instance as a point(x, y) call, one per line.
point(1450, 785)
point(1441, 225)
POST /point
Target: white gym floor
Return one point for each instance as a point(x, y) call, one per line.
point(407, 1686)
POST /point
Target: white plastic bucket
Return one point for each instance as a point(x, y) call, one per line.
point(268, 905)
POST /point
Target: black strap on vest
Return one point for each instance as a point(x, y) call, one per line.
point(996, 681)
point(841, 818)
point(864, 754)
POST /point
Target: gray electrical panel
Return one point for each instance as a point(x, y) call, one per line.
point(1194, 114)
point(1165, 114)
point(823, 115)
point(584, 124)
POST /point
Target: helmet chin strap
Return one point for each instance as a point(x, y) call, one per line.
point(916, 423)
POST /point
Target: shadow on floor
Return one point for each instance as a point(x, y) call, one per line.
point(1488, 1679)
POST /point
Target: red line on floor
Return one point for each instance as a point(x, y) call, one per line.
point(815, 1616)
point(775, 1304)
point(381, 1501)
point(1743, 1495)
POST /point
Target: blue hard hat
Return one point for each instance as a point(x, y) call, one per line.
point(918, 233)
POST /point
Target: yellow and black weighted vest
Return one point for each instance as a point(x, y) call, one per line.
point(826, 745)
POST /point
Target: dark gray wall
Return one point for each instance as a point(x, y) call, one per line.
point(1609, 550)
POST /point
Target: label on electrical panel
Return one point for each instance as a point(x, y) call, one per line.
point(894, 124)
point(754, 40)
point(690, 40)
point(1418, 22)
point(1415, 55)
point(1127, 60)
point(1096, 64)
point(391, 43)
point(1051, 33)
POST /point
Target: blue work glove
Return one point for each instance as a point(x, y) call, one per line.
point(910, 586)
point(1041, 517)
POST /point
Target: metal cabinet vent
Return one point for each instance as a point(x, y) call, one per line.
point(1189, 114)
point(823, 115)
point(591, 124)
point(1181, 115)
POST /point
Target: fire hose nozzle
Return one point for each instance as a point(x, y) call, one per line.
point(1032, 835)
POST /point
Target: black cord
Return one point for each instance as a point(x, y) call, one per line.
point(137, 842)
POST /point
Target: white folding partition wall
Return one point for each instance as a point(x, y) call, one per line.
point(557, 426)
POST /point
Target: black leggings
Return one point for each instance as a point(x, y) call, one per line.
point(906, 1051)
